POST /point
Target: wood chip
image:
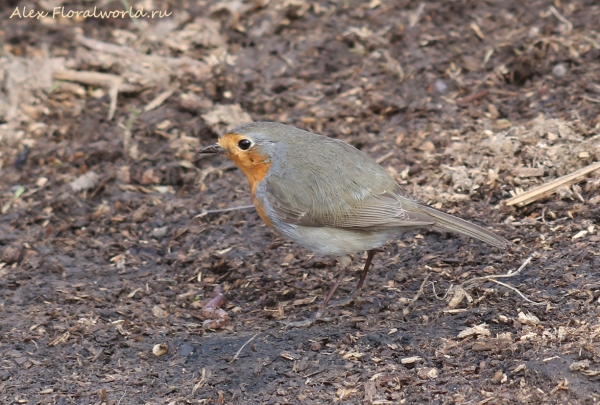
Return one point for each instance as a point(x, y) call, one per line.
point(159, 312)
point(479, 330)
point(288, 356)
point(528, 319)
point(411, 360)
point(428, 373)
point(529, 172)
point(304, 301)
point(60, 339)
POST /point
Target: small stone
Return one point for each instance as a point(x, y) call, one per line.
point(41, 182)
point(160, 232)
point(559, 70)
point(11, 254)
point(427, 146)
point(160, 349)
point(440, 86)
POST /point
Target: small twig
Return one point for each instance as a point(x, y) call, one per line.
point(562, 19)
point(158, 100)
point(394, 66)
point(241, 207)
point(415, 17)
point(123, 396)
point(200, 383)
point(380, 159)
point(493, 278)
point(549, 188)
point(525, 263)
point(242, 348)
point(314, 373)
point(517, 291)
point(435, 293)
point(113, 82)
point(469, 99)
point(411, 304)
point(202, 69)
point(590, 99)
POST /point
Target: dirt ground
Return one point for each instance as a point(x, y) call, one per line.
point(110, 245)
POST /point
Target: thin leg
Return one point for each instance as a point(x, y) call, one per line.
point(363, 274)
point(344, 262)
point(334, 288)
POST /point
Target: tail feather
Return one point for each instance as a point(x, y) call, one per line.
point(451, 223)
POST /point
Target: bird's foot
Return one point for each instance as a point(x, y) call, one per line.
point(355, 298)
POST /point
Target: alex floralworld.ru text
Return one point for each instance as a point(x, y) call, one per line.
point(24, 12)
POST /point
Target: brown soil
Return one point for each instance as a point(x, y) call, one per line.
point(443, 91)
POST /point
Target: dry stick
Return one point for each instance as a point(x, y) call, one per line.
point(113, 82)
point(314, 373)
point(593, 100)
point(158, 100)
point(242, 348)
point(469, 99)
point(517, 291)
point(241, 207)
point(411, 304)
point(437, 297)
point(200, 67)
point(415, 17)
point(200, 383)
point(549, 188)
point(122, 396)
point(568, 23)
point(473, 281)
point(380, 159)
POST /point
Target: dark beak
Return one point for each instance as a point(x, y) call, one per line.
point(216, 148)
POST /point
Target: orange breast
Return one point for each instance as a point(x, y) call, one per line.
point(252, 164)
point(255, 175)
point(261, 212)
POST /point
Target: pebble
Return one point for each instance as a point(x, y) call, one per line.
point(440, 86)
point(159, 232)
point(559, 70)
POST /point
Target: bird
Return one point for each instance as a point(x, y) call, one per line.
point(326, 195)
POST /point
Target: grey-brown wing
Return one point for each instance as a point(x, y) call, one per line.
point(316, 202)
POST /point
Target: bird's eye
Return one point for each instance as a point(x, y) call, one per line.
point(245, 144)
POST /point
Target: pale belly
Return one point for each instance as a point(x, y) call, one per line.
point(337, 241)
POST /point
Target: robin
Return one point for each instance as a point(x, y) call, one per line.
point(328, 196)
